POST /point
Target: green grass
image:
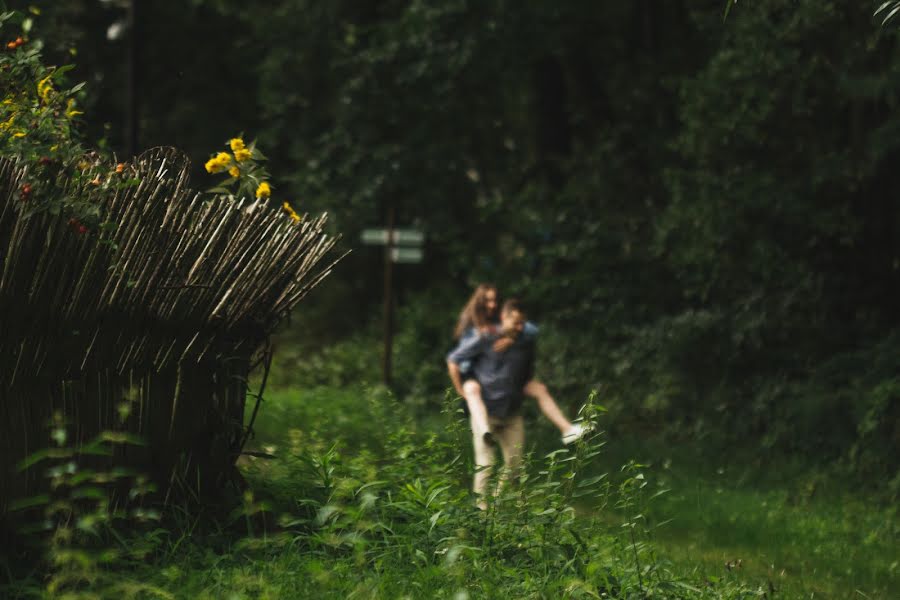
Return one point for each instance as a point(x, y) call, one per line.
point(359, 499)
point(372, 505)
point(810, 534)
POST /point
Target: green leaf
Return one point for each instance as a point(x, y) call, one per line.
point(728, 5)
point(686, 586)
point(121, 437)
point(93, 493)
point(370, 484)
point(434, 519)
point(591, 480)
point(62, 70)
point(39, 500)
point(95, 448)
point(40, 455)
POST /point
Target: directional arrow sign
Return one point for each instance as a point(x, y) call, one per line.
point(406, 255)
point(404, 237)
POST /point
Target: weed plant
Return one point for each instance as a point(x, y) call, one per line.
point(81, 532)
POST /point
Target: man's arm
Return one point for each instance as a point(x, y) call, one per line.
point(469, 348)
point(504, 342)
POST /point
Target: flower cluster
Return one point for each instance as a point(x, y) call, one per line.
point(39, 128)
point(45, 89)
point(241, 153)
point(219, 163)
point(286, 207)
point(246, 176)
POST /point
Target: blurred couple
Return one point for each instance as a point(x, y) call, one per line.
point(492, 368)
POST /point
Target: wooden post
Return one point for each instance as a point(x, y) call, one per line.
point(388, 297)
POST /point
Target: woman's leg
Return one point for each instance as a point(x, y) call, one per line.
point(484, 462)
point(478, 416)
point(547, 404)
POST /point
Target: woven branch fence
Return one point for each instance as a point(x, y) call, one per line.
point(166, 313)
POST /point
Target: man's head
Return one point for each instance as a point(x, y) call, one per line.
point(512, 317)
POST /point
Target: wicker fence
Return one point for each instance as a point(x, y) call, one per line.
point(165, 313)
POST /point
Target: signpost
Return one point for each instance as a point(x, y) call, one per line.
point(400, 237)
point(401, 246)
point(406, 255)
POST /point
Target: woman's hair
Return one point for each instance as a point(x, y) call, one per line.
point(474, 314)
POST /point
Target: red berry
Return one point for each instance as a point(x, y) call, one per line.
point(77, 226)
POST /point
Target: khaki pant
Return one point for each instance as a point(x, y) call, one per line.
point(509, 434)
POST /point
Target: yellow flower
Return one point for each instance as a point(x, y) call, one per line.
point(236, 144)
point(19, 134)
point(242, 154)
point(70, 109)
point(290, 211)
point(8, 100)
point(54, 147)
point(263, 191)
point(218, 163)
point(234, 172)
point(8, 123)
point(45, 88)
point(212, 166)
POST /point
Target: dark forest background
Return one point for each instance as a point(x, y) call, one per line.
point(702, 214)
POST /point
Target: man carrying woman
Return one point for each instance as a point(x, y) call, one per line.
point(491, 368)
point(502, 376)
point(478, 318)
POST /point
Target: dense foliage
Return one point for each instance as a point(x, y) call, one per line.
point(702, 214)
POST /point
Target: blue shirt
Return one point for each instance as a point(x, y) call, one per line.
point(502, 375)
point(465, 367)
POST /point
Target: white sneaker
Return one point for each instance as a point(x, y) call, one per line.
point(575, 433)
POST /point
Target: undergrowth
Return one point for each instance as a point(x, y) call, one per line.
point(366, 505)
point(351, 498)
